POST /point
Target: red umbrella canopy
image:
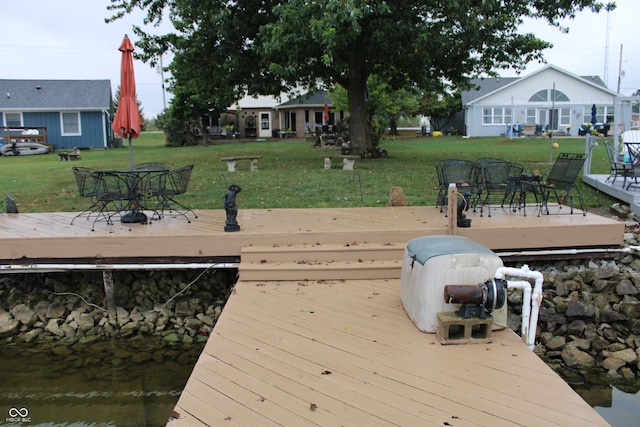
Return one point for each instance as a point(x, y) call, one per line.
point(127, 121)
point(326, 112)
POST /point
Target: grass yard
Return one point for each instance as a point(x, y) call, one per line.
point(290, 172)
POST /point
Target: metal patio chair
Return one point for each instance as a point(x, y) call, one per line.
point(149, 184)
point(618, 167)
point(107, 192)
point(500, 183)
point(115, 195)
point(87, 183)
point(631, 141)
point(165, 186)
point(560, 183)
point(462, 173)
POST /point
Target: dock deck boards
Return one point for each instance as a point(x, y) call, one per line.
point(345, 353)
point(50, 235)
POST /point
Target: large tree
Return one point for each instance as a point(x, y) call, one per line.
point(225, 49)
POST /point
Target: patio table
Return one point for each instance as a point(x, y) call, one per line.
point(132, 185)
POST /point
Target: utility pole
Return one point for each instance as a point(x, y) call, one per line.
point(620, 70)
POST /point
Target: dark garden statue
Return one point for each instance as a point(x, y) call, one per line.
point(231, 207)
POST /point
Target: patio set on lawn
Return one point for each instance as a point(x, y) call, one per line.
point(128, 193)
point(489, 181)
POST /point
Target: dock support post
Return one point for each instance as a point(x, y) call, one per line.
point(452, 210)
point(110, 296)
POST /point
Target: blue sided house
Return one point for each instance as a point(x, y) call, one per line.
point(72, 113)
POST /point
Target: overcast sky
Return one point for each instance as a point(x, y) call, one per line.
point(68, 39)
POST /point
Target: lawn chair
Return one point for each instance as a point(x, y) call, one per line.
point(500, 178)
point(165, 186)
point(561, 182)
point(462, 173)
point(618, 167)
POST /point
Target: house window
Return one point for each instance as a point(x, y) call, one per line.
point(539, 96)
point(531, 116)
point(290, 121)
point(264, 121)
point(545, 95)
point(13, 119)
point(496, 116)
point(565, 116)
point(560, 96)
point(604, 114)
point(70, 123)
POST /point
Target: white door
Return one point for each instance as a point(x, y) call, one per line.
point(264, 127)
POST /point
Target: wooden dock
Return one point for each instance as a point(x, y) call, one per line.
point(344, 353)
point(314, 332)
point(46, 237)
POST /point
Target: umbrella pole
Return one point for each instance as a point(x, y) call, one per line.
point(130, 154)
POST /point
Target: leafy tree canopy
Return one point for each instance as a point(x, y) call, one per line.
point(226, 49)
point(440, 107)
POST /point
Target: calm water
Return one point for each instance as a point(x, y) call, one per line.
point(619, 408)
point(119, 384)
point(105, 387)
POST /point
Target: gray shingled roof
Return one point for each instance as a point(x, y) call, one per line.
point(316, 98)
point(37, 95)
point(485, 86)
point(488, 85)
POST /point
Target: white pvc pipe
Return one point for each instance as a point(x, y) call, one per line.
point(569, 251)
point(536, 296)
point(39, 268)
point(526, 305)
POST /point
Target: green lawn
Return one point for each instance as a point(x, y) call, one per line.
point(290, 173)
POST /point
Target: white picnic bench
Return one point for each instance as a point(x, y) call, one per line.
point(348, 161)
point(232, 162)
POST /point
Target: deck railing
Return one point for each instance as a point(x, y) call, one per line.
point(23, 134)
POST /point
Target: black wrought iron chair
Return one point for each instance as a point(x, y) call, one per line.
point(108, 193)
point(165, 186)
point(631, 141)
point(462, 173)
point(149, 184)
point(155, 166)
point(618, 167)
point(114, 194)
point(500, 183)
point(560, 183)
point(87, 183)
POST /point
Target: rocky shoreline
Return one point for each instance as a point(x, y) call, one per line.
point(176, 307)
point(588, 328)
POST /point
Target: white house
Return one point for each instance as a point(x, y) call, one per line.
point(550, 97)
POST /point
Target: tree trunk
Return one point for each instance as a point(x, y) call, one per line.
point(393, 125)
point(359, 126)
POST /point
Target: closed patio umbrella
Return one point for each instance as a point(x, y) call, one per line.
point(593, 114)
point(326, 113)
point(127, 122)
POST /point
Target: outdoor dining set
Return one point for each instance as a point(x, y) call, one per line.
point(625, 164)
point(126, 194)
point(488, 182)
